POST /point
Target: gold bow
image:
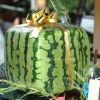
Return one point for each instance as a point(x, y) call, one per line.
point(41, 17)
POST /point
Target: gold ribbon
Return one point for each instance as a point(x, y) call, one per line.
point(68, 59)
point(41, 17)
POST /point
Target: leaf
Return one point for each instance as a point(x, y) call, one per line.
point(79, 76)
point(9, 89)
point(31, 89)
point(28, 93)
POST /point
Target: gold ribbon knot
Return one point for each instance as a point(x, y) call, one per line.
point(41, 17)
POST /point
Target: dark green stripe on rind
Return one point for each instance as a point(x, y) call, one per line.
point(18, 42)
point(6, 55)
point(25, 54)
point(35, 48)
point(12, 35)
point(49, 83)
point(18, 57)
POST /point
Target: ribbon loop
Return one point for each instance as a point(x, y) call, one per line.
point(41, 17)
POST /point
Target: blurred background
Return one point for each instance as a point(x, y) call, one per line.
point(14, 12)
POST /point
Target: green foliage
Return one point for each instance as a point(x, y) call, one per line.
point(28, 88)
point(60, 7)
point(70, 5)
